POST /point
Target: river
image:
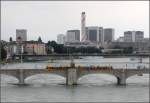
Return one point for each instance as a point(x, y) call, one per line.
point(90, 88)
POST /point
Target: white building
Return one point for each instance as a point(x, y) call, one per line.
point(21, 35)
point(73, 36)
point(133, 36)
point(61, 38)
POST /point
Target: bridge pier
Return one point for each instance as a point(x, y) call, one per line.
point(71, 78)
point(21, 77)
point(121, 80)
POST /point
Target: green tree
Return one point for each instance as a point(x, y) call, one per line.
point(128, 50)
point(10, 39)
point(3, 52)
point(39, 39)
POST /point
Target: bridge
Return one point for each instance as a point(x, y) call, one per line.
point(84, 54)
point(72, 73)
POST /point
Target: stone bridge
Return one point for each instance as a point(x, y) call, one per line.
point(72, 74)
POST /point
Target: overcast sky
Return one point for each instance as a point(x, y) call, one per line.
point(49, 18)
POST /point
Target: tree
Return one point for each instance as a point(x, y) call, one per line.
point(3, 52)
point(10, 39)
point(39, 39)
point(128, 50)
point(51, 44)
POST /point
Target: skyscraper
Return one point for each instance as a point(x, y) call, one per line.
point(21, 35)
point(108, 34)
point(83, 31)
point(95, 34)
point(92, 33)
point(73, 36)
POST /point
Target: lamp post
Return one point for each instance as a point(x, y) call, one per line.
point(21, 53)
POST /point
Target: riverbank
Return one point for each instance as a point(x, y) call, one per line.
point(2, 62)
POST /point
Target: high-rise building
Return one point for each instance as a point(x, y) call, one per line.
point(21, 35)
point(73, 36)
point(139, 36)
point(92, 33)
point(108, 34)
point(61, 38)
point(133, 36)
point(95, 34)
point(83, 29)
point(128, 36)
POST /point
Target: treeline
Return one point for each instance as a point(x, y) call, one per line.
point(123, 50)
point(60, 48)
point(3, 52)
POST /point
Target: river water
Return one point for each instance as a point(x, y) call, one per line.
point(90, 88)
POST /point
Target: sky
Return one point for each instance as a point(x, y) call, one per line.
point(50, 18)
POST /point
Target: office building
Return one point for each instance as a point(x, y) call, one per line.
point(133, 36)
point(129, 36)
point(139, 36)
point(61, 38)
point(108, 35)
point(73, 36)
point(92, 33)
point(95, 34)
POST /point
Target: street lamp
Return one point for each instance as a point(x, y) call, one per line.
point(21, 53)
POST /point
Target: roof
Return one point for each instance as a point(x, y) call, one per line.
point(33, 42)
point(25, 42)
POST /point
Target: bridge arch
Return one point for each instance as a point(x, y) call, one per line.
point(36, 75)
point(27, 77)
point(103, 76)
point(40, 78)
point(133, 78)
point(9, 75)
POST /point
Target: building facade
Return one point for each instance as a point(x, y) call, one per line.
point(108, 35)
point(133, 36)
point(95, 34)
point(21, 35)
point(61, 38)
point(26, 47)
point(34, 48)
point(139, 36)
point(128, 36)
point(73, 36)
